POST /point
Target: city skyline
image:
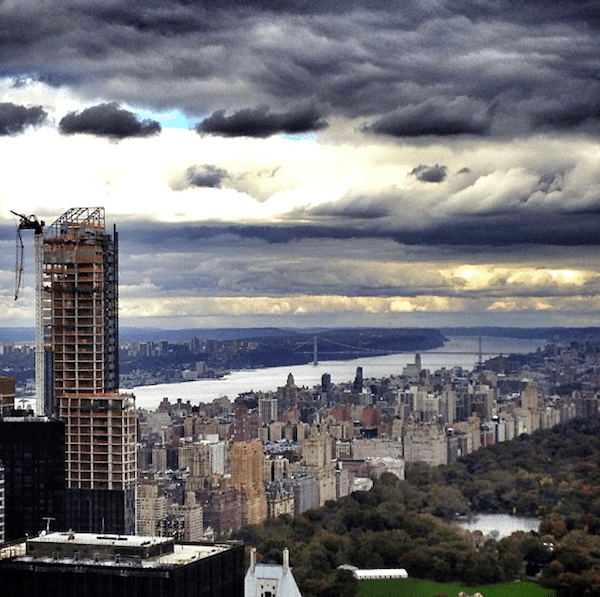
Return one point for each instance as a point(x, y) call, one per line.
point(310, 164)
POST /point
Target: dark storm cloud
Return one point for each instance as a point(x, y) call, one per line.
point(260, 122)
point(146, 14)
point(416, 68)
point(424, 173)
point(461, 116)
point(107, 120)
point(14, 118)
point(531, 11)
point(206, 176)
point(569, 116)
point(514, 228)
point(167, 18)
point(562, 229)
point(162, 15)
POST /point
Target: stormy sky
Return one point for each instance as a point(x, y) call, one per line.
point(313, 163)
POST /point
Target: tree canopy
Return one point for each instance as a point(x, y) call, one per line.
point(553, 474)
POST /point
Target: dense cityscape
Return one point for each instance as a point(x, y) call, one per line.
point(311, 445)
point(206, 471)
point(90, 482)
point(335, 330)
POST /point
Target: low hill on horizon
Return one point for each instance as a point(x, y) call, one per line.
point(130, 334)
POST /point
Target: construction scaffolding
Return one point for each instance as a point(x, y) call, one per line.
point(100, 435)
point(80, 302)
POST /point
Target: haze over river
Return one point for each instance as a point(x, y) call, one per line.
point(459, 351)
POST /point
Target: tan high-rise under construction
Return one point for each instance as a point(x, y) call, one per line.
point(80, 302)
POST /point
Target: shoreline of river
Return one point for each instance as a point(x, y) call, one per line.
point(459, 351)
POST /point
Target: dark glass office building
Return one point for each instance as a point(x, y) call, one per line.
point(32, 451)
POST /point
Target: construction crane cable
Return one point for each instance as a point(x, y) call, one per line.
point(19, 263)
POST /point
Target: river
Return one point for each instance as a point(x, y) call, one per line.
point(459, 351)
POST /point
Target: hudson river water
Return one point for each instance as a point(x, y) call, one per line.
point(459, 351)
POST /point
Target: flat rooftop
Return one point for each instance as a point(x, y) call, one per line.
point(93, 539)
point(110, 550)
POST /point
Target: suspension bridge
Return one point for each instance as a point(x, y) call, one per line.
point(347, 349)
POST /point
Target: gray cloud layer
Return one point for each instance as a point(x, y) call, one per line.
point(437, 116)
point(244, 262)
point(332, 222)
point(416, 68)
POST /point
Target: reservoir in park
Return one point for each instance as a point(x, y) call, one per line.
point(501, 525)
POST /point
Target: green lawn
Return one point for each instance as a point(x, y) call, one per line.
point(425, 588)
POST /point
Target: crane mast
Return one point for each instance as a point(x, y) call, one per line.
point(32, 223)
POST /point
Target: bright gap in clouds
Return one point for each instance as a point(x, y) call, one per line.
point(308, 137)
point(173, 119)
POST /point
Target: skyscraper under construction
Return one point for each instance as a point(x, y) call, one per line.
point(80, 322)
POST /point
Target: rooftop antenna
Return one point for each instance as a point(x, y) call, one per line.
point(32, 223)
point(48, 519)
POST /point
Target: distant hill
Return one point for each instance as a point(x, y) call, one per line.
point(555, 334)
point(128, 334)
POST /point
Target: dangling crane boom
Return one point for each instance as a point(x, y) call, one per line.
point(32, 223)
